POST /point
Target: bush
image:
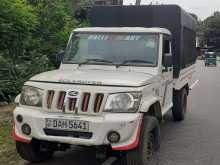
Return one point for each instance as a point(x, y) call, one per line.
point(32, 32)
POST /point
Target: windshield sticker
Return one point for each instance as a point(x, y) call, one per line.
point(132, 38)
point(115, 37)
point(98, 37)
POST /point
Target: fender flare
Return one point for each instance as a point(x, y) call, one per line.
point(18, 138)
point(146, 122)
point(145, 106)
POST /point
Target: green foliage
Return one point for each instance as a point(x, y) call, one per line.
point(32, 33)
point(211, 29)
point(55, 24)
point(16, 23)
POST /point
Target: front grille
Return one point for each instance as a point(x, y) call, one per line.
point(74, 134)
point(73, 102)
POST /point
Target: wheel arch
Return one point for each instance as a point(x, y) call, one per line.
point(186, 86)
point(152, 108)
point(155, 111)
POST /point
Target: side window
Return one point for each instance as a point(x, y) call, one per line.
point(167, 47)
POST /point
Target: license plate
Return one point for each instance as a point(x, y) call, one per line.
point(72, 125)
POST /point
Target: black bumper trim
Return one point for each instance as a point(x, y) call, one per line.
point(74, 134)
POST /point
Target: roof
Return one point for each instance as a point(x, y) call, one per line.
point(123, 30)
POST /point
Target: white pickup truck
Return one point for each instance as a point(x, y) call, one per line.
point(112, 89)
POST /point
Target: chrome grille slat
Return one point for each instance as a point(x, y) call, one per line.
point(79, 110)
point(91, 105)
point(55, 99)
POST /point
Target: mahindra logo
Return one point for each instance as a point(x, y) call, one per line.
point(73, 93)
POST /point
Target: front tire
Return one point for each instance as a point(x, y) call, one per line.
point(180, 105)
point(33, 152)
point(149, 143)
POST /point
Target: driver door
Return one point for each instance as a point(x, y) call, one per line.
point(167, 76)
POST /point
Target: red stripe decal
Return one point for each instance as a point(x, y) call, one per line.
point(50, 99)
point(135, 143)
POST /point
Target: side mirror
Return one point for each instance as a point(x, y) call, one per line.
point(168, 60)
point(59, 57)
point(81, 14)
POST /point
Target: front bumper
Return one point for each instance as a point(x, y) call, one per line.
point(127, 125)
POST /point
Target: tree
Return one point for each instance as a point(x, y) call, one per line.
point(194, 16)
point(211, 29)
point(16, 24)
point(56, 21)
point(32, 32)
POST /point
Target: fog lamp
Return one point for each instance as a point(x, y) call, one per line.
point(113, 137)
point(26, 129)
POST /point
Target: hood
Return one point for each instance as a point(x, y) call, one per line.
point(94, 77)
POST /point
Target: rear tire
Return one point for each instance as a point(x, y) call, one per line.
point(144, 154)
point(33, 152)
point(180, 105)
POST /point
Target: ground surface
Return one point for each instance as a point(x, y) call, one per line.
point(196, 141)
point(7, 147)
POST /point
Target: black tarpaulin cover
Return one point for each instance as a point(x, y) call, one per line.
point(181, 24)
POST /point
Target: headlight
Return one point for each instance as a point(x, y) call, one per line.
point(123, 102)
point(31, 96)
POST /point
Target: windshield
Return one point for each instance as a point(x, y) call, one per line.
point(113, 49)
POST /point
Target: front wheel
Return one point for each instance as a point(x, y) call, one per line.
point(144, 154)
point(34, 151)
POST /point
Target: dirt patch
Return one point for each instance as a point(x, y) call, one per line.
point(8, 154)
point(6, 112)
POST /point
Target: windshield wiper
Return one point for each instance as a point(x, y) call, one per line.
point(135, 61)
point(95, 60)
